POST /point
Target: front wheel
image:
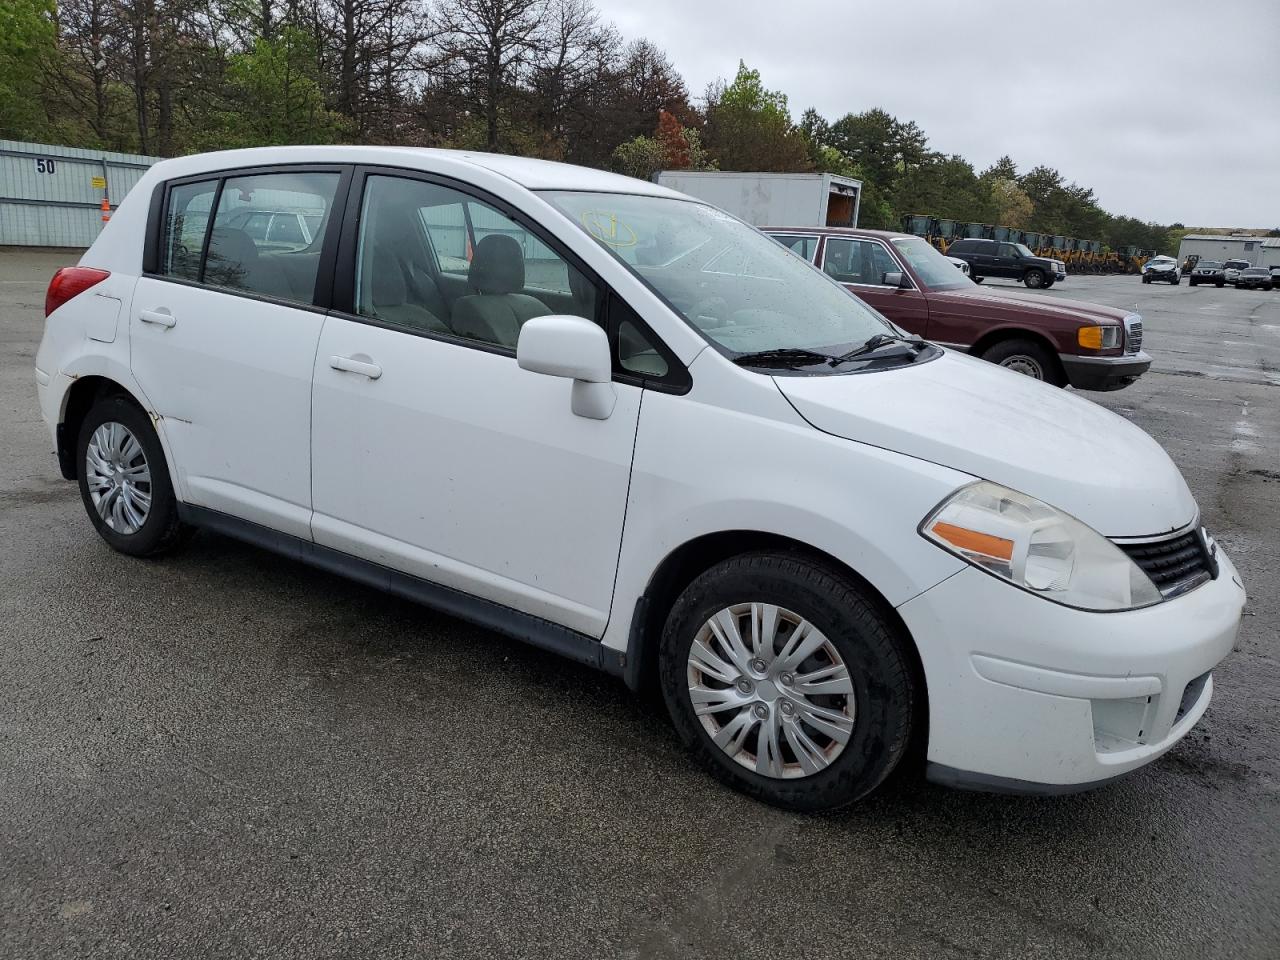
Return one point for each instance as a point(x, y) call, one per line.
point(1193, 283)
point(124, 481)
point(975, 279)
point(787, 681)
point(1220, 284)
point(1034, 279)
point(1176, 281)
point(1145, 278)
point(1028, 358)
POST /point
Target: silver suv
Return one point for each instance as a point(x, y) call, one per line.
point(1231, 269)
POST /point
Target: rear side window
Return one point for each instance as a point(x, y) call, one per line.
point(962, 246)
point(803, 247)
point(185, 225)
point(256, 242)
point(273, 264)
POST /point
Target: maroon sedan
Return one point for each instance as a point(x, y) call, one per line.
point(1087, 345)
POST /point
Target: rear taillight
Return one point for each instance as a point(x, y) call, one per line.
point(68, 282)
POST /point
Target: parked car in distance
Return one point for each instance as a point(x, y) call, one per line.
point(1208, 271)
point(1161, 268)
point(825, 541)
point(1087, 345)
point(1012, 261)
point(960, 265)
point(1254, 278)
point(1275, 275)
point(277, 230)
point(1231, 269)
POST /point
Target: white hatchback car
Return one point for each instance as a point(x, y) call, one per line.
point(617, 423)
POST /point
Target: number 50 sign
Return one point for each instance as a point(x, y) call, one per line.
point(45, 166)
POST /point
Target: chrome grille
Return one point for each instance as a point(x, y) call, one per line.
point(1132, 334)
point(1176, 564)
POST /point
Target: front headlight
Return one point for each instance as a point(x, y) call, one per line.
point(1098, 338)
point(1038, 548)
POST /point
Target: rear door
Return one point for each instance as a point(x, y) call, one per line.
point(224, 331)
point(861, 264)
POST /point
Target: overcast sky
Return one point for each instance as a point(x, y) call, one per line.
point(1169, 110)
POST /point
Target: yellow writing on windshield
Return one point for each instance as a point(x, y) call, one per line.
point(608, 229)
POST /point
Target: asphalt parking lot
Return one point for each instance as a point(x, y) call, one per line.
point(228, 754)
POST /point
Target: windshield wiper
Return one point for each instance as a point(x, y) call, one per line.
point(783, 357)
point(878, 342)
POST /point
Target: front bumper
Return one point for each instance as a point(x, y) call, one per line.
point(1026, 695)
point(1104, 373)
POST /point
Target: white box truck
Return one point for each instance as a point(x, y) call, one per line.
point(773, 199)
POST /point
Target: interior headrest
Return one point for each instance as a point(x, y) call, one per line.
point(497, 265)
point(231, 245)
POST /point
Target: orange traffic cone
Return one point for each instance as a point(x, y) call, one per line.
point(106, 210)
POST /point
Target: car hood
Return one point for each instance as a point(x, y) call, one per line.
point(981, 419)
point(995, 303)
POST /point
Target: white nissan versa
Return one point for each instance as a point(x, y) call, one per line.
point(619, 424)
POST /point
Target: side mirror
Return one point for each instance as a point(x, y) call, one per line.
point(896, 278)
point(576, 349)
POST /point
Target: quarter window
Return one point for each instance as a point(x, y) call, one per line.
point(857, 261)
point(184, 229)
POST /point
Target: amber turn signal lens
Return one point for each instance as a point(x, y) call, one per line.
point(971, 541)
point(1090, 337)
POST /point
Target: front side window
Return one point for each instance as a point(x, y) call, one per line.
point(934, 270)
point(858, 261)
point(186, 220)
point(242, 255)
point(735, 285)
point(433, 259)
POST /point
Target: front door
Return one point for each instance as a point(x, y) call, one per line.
point(433, 452)
point(223, 338)
point(861, 265)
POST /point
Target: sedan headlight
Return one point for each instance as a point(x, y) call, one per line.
point(1099, 337)
point(1038, 548)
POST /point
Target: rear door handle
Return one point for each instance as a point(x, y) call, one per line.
point(161, 317)
point(351, 365)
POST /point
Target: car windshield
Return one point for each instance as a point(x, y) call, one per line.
point(1255, 271)
point(1209, 264)
point(1023, 249)
point(933, 269)
point(1237, 264)
point(740, 289)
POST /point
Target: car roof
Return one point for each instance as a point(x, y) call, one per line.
point(843, 232)
point(529, 173)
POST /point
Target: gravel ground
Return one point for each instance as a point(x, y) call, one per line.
point(228, 754)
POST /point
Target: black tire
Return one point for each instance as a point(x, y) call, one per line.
point(1219, 283)
point(1035, 279)
point(1145, 278)
point(162, 530)
point(875, 653)
point(1193, 283)
point(1048, 284)
point(975, 279)
point(1028, 358)
point(1176, 280)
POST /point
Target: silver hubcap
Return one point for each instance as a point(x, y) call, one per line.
point(771, 690)
point(1024, 365)
point(119, 478)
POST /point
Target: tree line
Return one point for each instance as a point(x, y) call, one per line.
point(544, 78)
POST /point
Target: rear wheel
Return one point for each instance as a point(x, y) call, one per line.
point(1034, 279)
point(1028, 358)
point(124, 481)
point(787, 681)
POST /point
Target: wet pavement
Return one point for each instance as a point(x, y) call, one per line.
point(228, 754)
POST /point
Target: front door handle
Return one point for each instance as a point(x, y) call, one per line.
point(162, 317)
point(351, 365)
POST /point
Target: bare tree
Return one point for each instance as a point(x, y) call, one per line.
point(486, 48)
